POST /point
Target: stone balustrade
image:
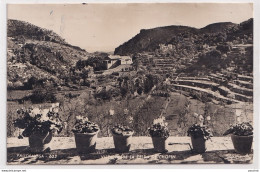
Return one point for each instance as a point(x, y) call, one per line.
point(219, 150)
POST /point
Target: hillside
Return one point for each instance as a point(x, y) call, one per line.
point(176, 71)
point(26, 30)
point(218, 27)
point(149, 40)
point(34, 52)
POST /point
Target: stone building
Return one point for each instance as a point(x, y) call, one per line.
point(112, 61)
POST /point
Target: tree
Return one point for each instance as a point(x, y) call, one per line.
point(30, 83)
point(148, 83)
point(221, 37)
point(84, 75)
point(210, 59)
point(224, 48)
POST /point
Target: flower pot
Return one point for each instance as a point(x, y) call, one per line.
point(242, 144)
point(122, 142)
point(86, 142)
point(39, 142)
point(198, 144)
point(159, 144)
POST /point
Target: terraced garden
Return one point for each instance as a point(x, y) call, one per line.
point(217, 87)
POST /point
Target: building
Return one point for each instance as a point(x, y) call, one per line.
point(115, 60)
point(165, 48)
point(126, 60)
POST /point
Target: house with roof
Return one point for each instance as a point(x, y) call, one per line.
point(113, 61)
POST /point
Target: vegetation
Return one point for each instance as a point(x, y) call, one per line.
point(41, 95)
point(197, 131)
point(35, 120)
point(95, 61)
point(122, 130)
point(45, 69)
point(241, 129)
point(83, 125)
point(38, 53)
point(210, 35)
point(159, 128)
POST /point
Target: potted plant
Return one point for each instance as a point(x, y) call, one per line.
point(85, 133)
point(241, 136)
point(199, 133)
point(159, 133)
point(39, 125)
point(121, 132)
point(122, 136)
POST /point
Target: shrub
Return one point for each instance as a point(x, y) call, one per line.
point(139, 90)
point(123, 91)
point(41, 96)
point(115, 73)
point(104, 95)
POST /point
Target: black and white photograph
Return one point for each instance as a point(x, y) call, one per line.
point(130, 83)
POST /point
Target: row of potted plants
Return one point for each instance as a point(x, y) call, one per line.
point(40, 124)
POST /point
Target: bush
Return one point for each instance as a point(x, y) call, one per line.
point(115, 73)
point(85, 83)
point(41, 96)
point(140, 90)
point(104, 95)
point(203, 97)
point(30, 83)
point(123, 91)
point(224, 48)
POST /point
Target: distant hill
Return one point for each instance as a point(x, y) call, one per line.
point(148, 40)
point(39, 53)
point(218, 27)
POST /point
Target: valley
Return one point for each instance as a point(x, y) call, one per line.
point(176, 71)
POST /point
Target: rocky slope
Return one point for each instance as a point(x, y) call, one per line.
point(38, 53)
point(148, 40)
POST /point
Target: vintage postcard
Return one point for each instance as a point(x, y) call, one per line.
point(130, 83)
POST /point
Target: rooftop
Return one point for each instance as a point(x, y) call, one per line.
point(117, 57)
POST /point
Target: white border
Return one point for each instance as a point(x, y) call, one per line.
point(3, 87)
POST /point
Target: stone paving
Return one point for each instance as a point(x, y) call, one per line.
point(219, 150)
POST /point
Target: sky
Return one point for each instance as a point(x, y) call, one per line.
point(103, 27)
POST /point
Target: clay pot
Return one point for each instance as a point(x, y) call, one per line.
point(242, 144)
point(122, 142)
point(198, 144)
point(86, 142)
point(160, 144)
point(39, 142)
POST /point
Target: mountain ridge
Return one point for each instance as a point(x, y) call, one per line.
point(149, 39)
